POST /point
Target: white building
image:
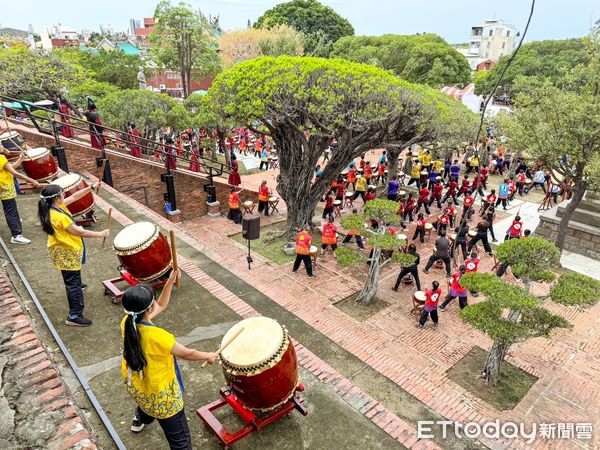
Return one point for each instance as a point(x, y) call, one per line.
point(490, 41)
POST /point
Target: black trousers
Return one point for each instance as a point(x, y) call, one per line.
point(73, 286)
point(491, 230)
point(433, 259)
point(266, 163)
point(307, 263)
point(359, 240)
point(263, 206)
point(235, 215)
point(423, 204)
point(362, 195)
point(453, 197)
point(392, 197)
point(503, 201)
point(408, 270)
point(425, 314)
point(417, 181)
point(409, 214)
point(420, 232)
point(11, 213)
point(438, 200)
point(176, 429)
point(328, 212)
point(463, 247)
point(462, 301)
point(484, 240)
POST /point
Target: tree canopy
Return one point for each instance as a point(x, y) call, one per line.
point(185, 41)
point(304, 103)
point(320, 24)
point(544, 59)
point(424, 58)
point(240, 45)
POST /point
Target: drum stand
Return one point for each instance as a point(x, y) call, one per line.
point(253, 422)
point(110, 286)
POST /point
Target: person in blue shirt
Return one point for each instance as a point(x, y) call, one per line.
point(318, 171)
point(503, 192)
point(499, 165)
point(432, 178)
point(454, 170)
point(393, 186)
point(447, 165)
point(383, 159)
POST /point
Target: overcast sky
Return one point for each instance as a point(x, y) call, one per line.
point(452, 19)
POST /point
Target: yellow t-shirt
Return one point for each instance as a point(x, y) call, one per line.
point(438, 165)
point(426, 159)
point(7, 183)
point(474, 161)
point(157, 392)
point(66, 249)
point(415, 171)
point(361, 184)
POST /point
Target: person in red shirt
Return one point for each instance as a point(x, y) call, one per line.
point(351, 178)
point(468, 202)
point(233, 201)
point(515, 230)
point(451, 192)
point(477, 185)
point(328, 210)
point(465, 187)
point(362, 163)
point(368, 172)
point(512, 188)
point(371, 194)
point(340, 190)
point(436, 194)
point(263, 198)
point(472, 264)
point(484, 176)
point(423, 200)
point(451, 213)
point(409, 208)
point(381, 173)
point(432, 298)
point(456, 290)
point(420, 230)
point(329, 237)
point(134, 141)
point(442, 222)
point(303, 241)
point(521, 178)
point(490, 200)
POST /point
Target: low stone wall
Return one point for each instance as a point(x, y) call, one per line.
point(140, 178)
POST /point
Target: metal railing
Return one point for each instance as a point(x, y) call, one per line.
point(52, 122)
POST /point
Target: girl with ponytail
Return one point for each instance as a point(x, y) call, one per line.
point(66, 246)
point(149, 367)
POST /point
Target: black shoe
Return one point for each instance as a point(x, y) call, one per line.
point(79, 322)
point(395, 289)
point(137, 425)
point(84, 286)
point(426, 271)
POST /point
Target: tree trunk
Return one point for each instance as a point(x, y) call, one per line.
point(579, 191)
point(369, 290)
point(493, 362)
point(393, 154)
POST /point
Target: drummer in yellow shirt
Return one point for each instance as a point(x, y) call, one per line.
point(427, 161)
point(149, 367)
point(415, 174)
point(360, 189)
point(66, 246)
point(8, 194)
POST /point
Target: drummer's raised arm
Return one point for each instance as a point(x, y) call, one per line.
point(165, 295)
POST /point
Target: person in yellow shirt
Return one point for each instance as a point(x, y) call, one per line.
point(415, 174)
point(66, 246)
point(149, 366)
point(360, 189)
point(427, 161)
point(8, 194)
point(473, 163)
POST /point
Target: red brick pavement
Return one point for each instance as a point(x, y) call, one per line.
point(418, 360)
point(39, 378)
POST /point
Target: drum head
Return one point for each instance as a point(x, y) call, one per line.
point(272, 199)
point(428, 226)
point(401, 237)
point(261, 339)
point(8, 135)
point(349, 194)
point(248, 203)
point(420, 295)
point(337, 202)
point(313, 249)
point(68, 181)
point(35, 153)
point(134, 235)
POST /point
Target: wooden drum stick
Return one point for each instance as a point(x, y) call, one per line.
point(174, 255)
point(225, 345)
point(107, 225)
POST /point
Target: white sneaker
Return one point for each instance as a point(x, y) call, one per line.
point(19, 240)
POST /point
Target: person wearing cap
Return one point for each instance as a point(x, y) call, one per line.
point(66, 246)
point(149, 365)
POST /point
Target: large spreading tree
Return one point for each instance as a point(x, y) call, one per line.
point(320, 24)
point(305, 103)
point(510, 313)
point(423, 58)
point(184, 40)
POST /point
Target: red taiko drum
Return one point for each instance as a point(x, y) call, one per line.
point(11, 140)
point(260, 365)
point(143, 251)
point(70, 184)
point(40, 164)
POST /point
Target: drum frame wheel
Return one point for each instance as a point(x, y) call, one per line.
point(110, 286)
point(253, 421)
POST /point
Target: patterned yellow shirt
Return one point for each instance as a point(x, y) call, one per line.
point(66, 249)
point(7, 183)
point(157, 391)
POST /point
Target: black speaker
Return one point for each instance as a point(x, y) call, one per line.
point(251, 227)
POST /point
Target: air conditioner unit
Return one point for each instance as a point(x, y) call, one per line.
point(162, 87)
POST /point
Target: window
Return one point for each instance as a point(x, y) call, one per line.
point(491, 32)
point(508, 33)
point(503, 45)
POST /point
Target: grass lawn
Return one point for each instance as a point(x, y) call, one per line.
point(273, 249)
point(513, 386)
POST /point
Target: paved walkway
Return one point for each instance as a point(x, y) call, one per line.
point(418, 361)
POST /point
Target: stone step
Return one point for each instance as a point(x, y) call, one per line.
point(587, 217)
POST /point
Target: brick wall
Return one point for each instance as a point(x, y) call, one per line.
point(131, 174)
